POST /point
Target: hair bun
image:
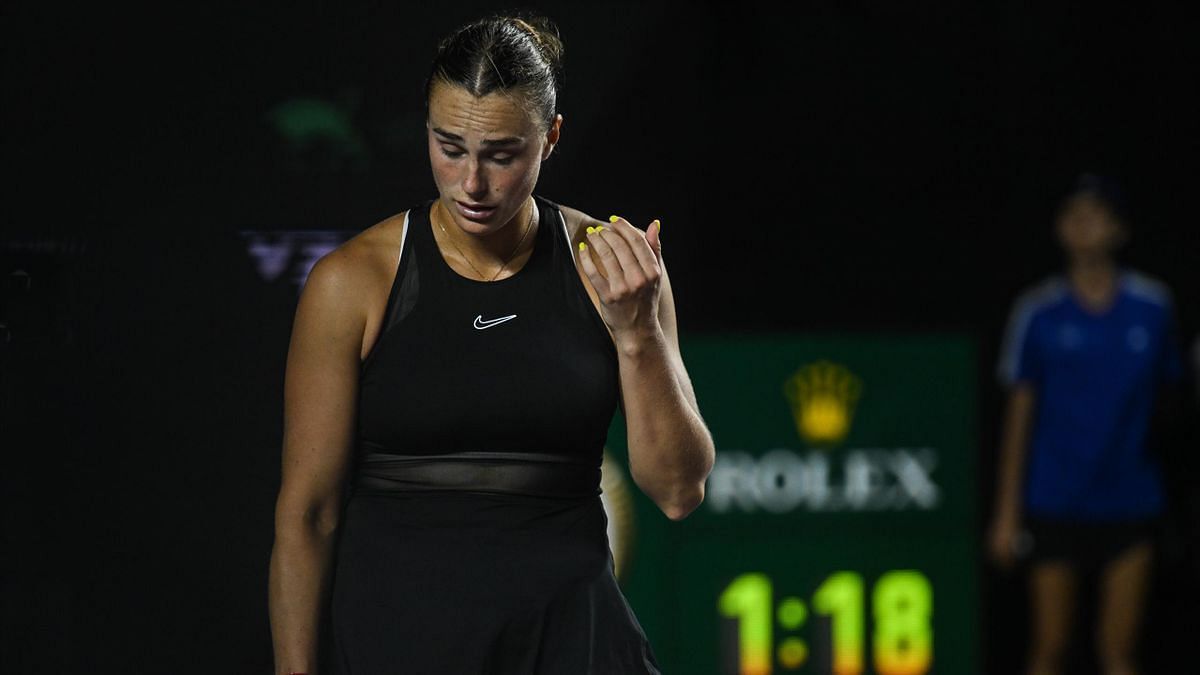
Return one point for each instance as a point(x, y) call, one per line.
point(546, 36)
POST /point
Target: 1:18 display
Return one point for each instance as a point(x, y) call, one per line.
point(901, 611)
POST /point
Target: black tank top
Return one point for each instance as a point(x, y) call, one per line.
point(523, 364)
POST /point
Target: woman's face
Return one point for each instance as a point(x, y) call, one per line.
point(485, 151)
point(1087, 227)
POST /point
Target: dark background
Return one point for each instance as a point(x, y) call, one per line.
point(839, 166)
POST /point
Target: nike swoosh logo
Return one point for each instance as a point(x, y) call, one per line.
point(481, 324)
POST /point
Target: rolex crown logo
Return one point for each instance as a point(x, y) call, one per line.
point(822, 397)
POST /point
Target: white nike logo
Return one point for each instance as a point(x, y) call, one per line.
point(481, 324)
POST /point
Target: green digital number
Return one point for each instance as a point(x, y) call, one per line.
point(841, 598)
point(748, 599)
point(903, 607)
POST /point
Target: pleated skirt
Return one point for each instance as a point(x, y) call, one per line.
point(472, 584)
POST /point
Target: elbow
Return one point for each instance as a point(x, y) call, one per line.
point(683, 502)
point(676, 497)
point(326, 521)
point(320, 517)
point(685, 492)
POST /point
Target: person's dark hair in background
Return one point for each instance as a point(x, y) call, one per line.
point(1105, 189)
point(1084, 358)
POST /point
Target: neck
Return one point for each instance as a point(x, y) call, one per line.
point(1094, 278)
point(496, 247)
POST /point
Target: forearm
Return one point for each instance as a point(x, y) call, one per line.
point(1008, 489)
point(670, 449)
point(301, 566)
point(1013, 449)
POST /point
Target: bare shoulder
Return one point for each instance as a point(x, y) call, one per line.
point(368, 256)
point(346, 281)
point(370, 251)
point(577, 224)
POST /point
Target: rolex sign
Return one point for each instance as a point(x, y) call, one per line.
point(837, 532)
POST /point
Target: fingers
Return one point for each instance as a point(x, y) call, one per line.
point(655, 230)
point(639, 245)
point(625, 255)
point(616, 259)
point(599, 281)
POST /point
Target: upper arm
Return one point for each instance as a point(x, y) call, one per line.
point(1019, 357)
point(320, 391)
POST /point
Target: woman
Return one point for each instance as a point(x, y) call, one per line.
point(1085, 357)
point(452, 374)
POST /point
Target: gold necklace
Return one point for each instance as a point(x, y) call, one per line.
point(528, 227)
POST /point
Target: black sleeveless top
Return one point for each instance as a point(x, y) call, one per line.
point(519, 367)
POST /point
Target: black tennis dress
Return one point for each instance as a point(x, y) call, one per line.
point(473, 539)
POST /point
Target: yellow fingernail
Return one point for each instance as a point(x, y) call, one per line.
point(599, 227)
point(582, 246)
point(658, 224)
point(612, 219)
point(591, 229)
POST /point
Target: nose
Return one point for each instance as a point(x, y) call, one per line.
point(475, 182)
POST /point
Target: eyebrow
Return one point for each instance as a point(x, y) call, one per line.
point(510, 140)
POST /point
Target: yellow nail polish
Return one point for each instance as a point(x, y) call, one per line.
point(612, 219)
point(658, 224)
point(599, 227)
point(590, 229)
point(582, 246)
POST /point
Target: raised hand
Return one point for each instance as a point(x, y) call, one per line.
point(625, 267)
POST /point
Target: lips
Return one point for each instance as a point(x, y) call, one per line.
point(475, 211)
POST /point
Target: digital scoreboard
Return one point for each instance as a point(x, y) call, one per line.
point(837, 532)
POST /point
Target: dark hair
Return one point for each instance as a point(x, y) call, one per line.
point(516, 52)
point(1104, 189)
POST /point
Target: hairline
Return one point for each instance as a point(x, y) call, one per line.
point(520, 93)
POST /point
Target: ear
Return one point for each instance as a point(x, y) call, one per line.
point(552, 136)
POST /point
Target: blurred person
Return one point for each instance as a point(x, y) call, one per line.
point(452, 375)
point(1086, 358)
